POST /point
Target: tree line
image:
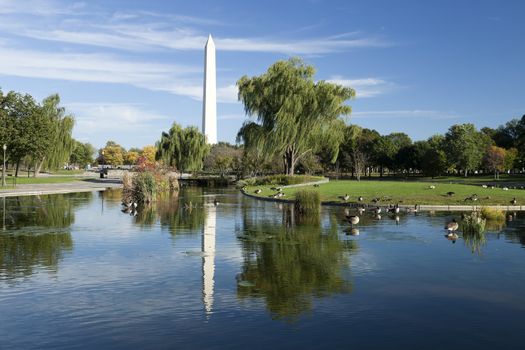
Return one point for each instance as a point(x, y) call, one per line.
point(38, 135)
point(298, 124)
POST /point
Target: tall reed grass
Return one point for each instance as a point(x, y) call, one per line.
point(307, 201)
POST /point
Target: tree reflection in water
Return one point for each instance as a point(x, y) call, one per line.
point(36, 232)
point(182, 212)
point(291, 262)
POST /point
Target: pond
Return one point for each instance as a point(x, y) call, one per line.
point(78, 273)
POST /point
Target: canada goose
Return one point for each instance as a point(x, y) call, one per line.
point(413, 210)
point(375, 200)
point(450, 194)
point(378, 217)
point(360, 198)
point(394, 209)
point(257, 191)
point(135, 204)
point(215, 202)
point(376, 210)
point(352, 219)
point(360, 210)
point(452, 226)
point(513, 201)
point(345, 197)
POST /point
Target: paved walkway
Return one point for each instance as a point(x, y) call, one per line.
point(65, 187)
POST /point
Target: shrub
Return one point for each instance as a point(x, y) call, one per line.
point(493, 214)
point(144, 187)
point(473, 224)
point(307, 201)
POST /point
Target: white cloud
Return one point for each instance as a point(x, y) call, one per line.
point(116, 116)
point(139, 37)
point(143, 30)
point(365, 87)
point(99, 121)
point(38, 7)
point(102, 68)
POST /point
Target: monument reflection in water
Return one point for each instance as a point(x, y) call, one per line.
point(208, 257)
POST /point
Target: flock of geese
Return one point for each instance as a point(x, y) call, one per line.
point(451, 227)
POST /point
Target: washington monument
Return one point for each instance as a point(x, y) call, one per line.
point(209, 101)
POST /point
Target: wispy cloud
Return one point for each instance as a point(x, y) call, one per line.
point(414, 113)
point(39, 7)
point(142, 30)
point(104, 68)
point(99, 121)
point(365, 87)
point(79, 28)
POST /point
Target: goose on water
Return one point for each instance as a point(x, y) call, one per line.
point(452, 226)
point(352, 219)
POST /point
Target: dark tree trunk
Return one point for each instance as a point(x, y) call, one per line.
point(17, 167)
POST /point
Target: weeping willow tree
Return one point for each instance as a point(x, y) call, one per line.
point(293, 112)
point(184, 149)
point(60, 134)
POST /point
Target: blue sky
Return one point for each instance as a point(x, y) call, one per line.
point(128, 69)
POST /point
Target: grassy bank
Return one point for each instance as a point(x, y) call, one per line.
point(404, 193)
point(39, 180)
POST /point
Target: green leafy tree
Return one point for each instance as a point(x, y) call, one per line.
point(26, 128)
point(511, 156)
point(82, 154)
point(356, 149)
point(59, 135)
point(465, 146)
point(184, 149)
point(293, 111)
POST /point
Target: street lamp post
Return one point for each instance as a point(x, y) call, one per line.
point(103, 161)
point(3, 168)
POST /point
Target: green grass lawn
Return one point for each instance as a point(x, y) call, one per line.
point(39, 180)
point(404, 192)
point(67, 172)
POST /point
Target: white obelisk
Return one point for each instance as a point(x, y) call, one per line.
point(209, 101)
point(208, 259)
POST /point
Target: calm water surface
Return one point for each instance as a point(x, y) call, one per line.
point(77, 273)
